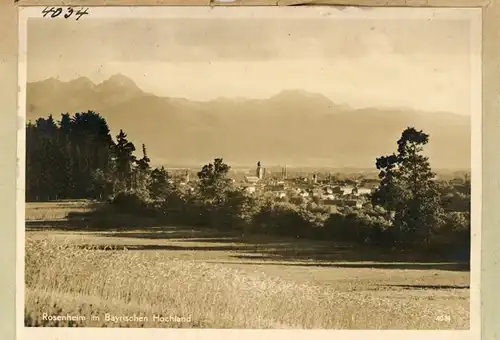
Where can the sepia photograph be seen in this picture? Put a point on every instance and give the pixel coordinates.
(235, 168)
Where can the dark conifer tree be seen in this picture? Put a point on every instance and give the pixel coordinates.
(125, 159)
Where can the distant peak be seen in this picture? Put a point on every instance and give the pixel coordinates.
(50, 80)
(82, 81)
(229, 99)
(293, 91)
(121, 80)
(301, 93)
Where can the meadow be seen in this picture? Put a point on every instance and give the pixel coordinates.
(197, 277)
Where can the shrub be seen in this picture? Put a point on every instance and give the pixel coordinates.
(297, 200)
(241, 208)
(284, 219)
(453, 237)
(180, 208)
(130, 202)
(366, 226)
(235, 211)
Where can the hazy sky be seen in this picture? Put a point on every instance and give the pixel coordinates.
(422, 64)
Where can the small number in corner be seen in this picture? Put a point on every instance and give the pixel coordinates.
(81, 12)
(54, 12)
(443, 318)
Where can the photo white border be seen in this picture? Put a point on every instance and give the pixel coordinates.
(473, 15)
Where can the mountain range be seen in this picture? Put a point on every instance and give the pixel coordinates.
(293, 127)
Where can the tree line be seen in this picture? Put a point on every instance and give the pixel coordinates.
(76, 157)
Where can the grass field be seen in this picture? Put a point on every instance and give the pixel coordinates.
(204, 278)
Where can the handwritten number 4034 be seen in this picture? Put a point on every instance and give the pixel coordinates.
(54, 12)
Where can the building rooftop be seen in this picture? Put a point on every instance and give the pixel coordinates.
(251, 179)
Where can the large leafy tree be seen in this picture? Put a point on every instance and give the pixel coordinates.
(213, 180)
(159, 186)
(224, 206)
(408, 190)
(213, 189)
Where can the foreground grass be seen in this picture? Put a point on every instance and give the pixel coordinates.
(55, 210)
(65, 278)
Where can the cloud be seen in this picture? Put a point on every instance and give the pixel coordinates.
(190, 40)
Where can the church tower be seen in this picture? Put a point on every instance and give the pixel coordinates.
(283, 173)
(260, 171)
